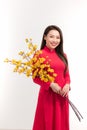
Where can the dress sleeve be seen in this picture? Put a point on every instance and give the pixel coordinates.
(43, 84)
(67, 77)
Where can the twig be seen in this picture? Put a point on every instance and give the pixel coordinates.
(76, 111)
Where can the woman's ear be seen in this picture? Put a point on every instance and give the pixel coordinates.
(44, 37)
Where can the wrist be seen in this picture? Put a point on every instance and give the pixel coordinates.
(68, 86)
(52, 84)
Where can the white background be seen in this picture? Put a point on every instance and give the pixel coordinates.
(20, 19)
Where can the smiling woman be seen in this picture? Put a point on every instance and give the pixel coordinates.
(52, 111)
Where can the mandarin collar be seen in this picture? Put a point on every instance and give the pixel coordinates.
(48, 49)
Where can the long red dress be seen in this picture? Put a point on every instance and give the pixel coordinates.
(52, 112)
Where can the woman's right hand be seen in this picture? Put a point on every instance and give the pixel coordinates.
(56, 88)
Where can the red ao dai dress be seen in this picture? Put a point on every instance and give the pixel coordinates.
(52, 112)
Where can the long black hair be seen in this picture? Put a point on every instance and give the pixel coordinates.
(59, 48)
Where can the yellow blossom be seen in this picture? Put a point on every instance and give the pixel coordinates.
(50, 70)
(21, 53)
(41, 60)
(34, 47)
(28, 72)
(21, 70)
(16, 69)
(6, 60)
(26, 40)
(54, 74)
(30, 45)
(14, 62)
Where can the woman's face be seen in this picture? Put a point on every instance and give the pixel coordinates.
(52, 39)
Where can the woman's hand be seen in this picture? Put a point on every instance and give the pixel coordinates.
(65, 90)
(55, 87)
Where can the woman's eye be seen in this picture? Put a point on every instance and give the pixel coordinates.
(51, 36)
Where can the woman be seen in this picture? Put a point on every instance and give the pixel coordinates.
(52, 111)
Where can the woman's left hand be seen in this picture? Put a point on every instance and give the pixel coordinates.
(65, 90)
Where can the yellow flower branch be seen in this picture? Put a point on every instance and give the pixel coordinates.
(31, 64)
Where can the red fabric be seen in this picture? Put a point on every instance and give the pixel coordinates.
(52, 112)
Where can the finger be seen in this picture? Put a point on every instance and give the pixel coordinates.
(58, 92)
(64, 94)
